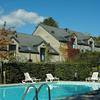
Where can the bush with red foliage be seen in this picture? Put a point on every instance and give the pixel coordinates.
(72, 52)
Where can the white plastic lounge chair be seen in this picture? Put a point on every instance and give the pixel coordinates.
(29, 79)
(94, 77)
(51, 78)
(35, 79)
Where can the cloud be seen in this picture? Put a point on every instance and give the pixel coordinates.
(21, 17)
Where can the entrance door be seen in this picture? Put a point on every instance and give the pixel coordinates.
(42, 54)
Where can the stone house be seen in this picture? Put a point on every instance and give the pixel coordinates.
(46, 43)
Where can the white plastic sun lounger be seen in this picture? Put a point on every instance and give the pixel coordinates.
(29, 79)
(94, 77)
(51, 78)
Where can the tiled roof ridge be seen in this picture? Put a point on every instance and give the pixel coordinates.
(52, 26)
(64, 29)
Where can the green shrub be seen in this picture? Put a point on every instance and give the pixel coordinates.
(15, 71)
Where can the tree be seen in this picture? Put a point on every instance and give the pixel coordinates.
(5, 41)
(50, 21)
(4, 51)
(97, 39)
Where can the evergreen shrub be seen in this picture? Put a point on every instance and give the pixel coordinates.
(66, 72)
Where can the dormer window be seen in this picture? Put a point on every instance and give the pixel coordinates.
(72, 40)
(52, 32)
(91, 44)
(12, 47)
(73, 43)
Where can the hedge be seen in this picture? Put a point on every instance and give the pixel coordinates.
(66, 72)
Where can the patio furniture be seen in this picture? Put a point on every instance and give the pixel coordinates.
(29, 79)
(51, 78)
(94, 77)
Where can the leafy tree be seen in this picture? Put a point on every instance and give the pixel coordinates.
(97, 39)
(50, 21)
(5, 41)
(88, 57)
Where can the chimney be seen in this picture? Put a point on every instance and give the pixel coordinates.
(66, 29)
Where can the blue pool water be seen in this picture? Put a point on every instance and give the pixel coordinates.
(57, 91)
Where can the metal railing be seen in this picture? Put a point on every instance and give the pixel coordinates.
(49, 94)
(37, 91)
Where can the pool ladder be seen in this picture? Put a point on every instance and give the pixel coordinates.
(37, 91)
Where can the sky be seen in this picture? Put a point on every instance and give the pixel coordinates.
(77, 15)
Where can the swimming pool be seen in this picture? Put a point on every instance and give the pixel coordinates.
(58, 90)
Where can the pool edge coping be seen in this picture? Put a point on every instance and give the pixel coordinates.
(59, 82)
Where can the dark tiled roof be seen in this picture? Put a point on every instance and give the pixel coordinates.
(64, 34)
(28, 49)
(29, 43)
(59, 34)
(82, 42)
(28, 40)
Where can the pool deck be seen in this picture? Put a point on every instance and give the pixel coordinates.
(94, 95)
